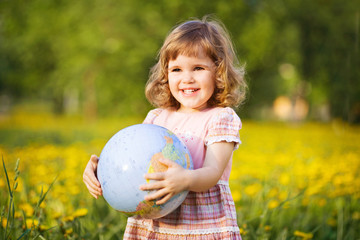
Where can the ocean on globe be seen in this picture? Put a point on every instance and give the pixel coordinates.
(127, 156)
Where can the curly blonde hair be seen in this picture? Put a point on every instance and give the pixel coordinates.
(188, 39)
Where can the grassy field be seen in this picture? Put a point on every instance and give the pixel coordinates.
(289, 181)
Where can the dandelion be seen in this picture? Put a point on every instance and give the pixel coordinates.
(267, 228)
(68, 218)
(283, 195)
(303, 235)
(284, 179)
(80, 212)
(18, 214)
(236, 195)
(68, 232)
(31, 223)
(321, 202)
(253, 189)
(4, 222)
(56, 215)
(27, 208)
(273, 204)
(356, 216)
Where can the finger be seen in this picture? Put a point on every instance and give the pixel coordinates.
(93, 187)
(95, 196)
(156, 195)
(155, 176)
(167, 162)
(164, 199)
(91, 184)
(92, 191)
(94, 159)
(92, 178)
(152, 186)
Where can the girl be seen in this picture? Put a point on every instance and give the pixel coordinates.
(193, 85)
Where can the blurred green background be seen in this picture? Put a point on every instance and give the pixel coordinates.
(93, 57)
(72, 73)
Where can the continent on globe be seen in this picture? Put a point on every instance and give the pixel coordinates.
(147, 208)
(169, 152)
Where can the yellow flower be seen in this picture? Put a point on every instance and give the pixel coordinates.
(68, 232)
(272, 193)
(30, 223)
(68, 218)
(273, 204)
(356, 216)
(27, 208)
(331, 222)
(2, 183)
(284, 179)
(267, 228)
(252, 189)
(303, 235)
(57, 215)
(236, 195)
(283, 195)
(18, 214)
(80, 212)
(321, 202)
(4, 222)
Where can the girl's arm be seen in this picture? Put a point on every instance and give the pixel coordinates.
(177, 179)
(90, 178)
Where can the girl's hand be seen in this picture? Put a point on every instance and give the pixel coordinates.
(90, 179)
(167, 184)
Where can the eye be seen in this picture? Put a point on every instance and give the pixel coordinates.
(175, 70)
(198, 68)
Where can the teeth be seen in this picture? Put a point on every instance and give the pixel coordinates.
(189, 90)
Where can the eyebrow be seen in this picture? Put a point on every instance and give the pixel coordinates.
(194, 65)
(172, 67)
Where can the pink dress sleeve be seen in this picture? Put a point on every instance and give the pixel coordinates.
(224, 126)
(152, 115)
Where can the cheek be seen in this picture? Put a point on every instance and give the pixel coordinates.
(211, 82)
(172, 86)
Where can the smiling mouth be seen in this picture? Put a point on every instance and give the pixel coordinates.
(189, 91)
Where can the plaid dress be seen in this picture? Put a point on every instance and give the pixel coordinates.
(203, 215)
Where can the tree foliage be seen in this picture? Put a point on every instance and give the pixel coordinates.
(94, 56)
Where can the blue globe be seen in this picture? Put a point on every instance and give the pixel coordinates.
(127, 156)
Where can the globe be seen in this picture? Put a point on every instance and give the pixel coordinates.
(127, 156)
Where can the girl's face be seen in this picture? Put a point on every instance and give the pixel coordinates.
(192, 81)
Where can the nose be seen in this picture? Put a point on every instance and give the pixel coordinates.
(188, 77)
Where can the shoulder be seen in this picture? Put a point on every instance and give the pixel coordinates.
(152, 115)
(224, 126)
(225, 115)
(158, 113)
